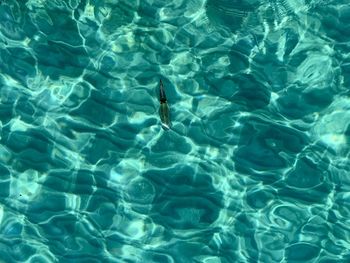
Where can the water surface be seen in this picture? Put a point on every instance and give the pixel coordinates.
(256, 165)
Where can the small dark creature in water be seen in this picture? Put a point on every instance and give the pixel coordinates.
(164, 112)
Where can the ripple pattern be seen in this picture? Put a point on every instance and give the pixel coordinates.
(256, 165)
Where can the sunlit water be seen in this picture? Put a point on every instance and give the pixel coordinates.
(255, 167)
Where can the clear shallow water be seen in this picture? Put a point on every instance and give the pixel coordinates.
(255, 168)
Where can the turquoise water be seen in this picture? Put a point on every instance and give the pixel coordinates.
(255, 167)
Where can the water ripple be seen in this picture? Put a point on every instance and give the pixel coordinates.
(254, 169)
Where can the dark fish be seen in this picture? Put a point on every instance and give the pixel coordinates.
(164, 112)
